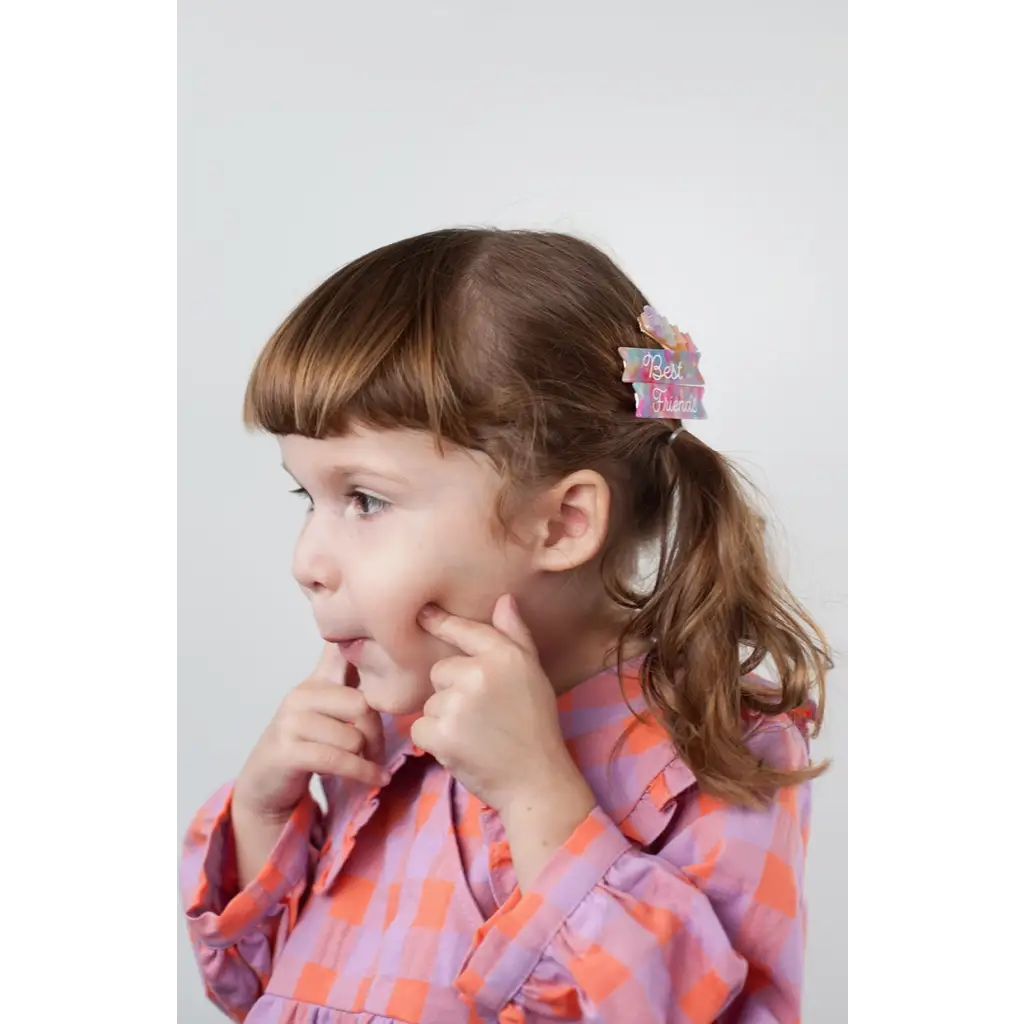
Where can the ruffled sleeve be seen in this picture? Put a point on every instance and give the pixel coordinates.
(236, 934)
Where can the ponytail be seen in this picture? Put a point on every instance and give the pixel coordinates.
(716, 612)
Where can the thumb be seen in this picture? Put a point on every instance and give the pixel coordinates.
(369, 723)
(506, 619)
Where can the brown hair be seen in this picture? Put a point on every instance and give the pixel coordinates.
(506, 342)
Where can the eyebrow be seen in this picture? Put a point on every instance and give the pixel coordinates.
(355, 469)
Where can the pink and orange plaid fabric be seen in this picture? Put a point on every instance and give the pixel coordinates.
(401, 905)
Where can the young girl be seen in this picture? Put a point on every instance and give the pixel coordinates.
(555, 792)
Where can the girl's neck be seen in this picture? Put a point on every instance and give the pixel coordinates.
(578, 665)
(577, 638)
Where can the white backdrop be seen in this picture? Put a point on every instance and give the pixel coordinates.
(703, 145)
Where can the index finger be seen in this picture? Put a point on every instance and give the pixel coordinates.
(468, 636)
(332, 664)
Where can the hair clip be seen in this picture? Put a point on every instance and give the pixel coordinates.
(667, 382)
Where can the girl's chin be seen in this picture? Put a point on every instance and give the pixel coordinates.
(395, 693)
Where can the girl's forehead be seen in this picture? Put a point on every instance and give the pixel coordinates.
(409, 456)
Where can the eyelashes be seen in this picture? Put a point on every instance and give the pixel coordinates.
(301, 492)
(366, 505)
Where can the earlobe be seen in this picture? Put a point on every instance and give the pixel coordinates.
(575, 521)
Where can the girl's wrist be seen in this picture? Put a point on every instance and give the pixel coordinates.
(538, 822)
(558, 803)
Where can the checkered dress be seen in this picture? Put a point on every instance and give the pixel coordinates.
(401, 904)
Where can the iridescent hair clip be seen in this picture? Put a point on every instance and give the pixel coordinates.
(667, 382)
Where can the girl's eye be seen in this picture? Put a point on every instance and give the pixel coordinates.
(303, 493)
(367, 505)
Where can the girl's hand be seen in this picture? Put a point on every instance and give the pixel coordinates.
(325, 726)
(493, 719)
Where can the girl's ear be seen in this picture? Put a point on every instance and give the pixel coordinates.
(571, 521)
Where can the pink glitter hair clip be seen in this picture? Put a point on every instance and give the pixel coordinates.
(667, 382)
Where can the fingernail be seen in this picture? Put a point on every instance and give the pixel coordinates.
(428, 611)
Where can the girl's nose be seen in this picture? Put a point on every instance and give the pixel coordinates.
(313, 567)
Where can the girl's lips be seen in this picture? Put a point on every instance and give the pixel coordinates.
(351, 648)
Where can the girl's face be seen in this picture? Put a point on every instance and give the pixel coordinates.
(394, 525)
